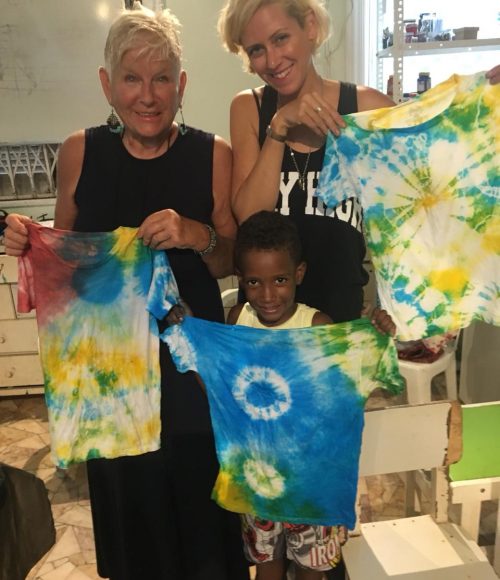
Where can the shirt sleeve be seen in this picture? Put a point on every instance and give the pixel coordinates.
(335, 183)
(163, 292)
(181, 341)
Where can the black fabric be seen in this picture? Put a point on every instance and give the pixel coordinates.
(26, 526)
(333, 248)
(338, 573)
(153, 516)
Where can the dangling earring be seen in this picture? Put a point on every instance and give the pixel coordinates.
(113, 122)
(182, 127)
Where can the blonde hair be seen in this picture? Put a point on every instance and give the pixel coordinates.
(236, 14)
(142, 28)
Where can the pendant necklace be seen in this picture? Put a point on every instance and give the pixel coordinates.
(303, 173)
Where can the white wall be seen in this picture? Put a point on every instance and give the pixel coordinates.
(331, 59)
(49, 55)
(214, 75)
(49, 58)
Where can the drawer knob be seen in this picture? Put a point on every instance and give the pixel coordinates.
(3, 339)
(11, 373)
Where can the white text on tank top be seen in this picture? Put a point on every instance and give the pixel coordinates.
(349, 211)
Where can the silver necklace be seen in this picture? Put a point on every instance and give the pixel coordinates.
(303, 173)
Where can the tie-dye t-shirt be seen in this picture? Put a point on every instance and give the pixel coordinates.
(287, 408)
(99, 345)
(427, 173)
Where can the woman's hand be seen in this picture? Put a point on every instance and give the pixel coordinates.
(311, 110)
(383, 322)
(494, 75)
(167, 229)
(16, 234)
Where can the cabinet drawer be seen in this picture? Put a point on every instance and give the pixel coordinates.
(6, 303)
(20, 370)
(18, 336)
(8, 269)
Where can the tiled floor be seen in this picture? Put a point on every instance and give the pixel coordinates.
(24, 443)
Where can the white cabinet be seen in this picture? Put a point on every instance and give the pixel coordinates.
(446, 57)
(20, 367)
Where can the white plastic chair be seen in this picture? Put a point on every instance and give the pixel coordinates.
(229, 297)
(419, 375)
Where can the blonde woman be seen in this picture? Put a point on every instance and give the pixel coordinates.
(278, 134)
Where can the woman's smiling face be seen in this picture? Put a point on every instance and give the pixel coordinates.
(279, 50)
(146, 91)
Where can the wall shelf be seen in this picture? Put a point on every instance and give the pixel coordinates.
(401, 51)
(442, 47)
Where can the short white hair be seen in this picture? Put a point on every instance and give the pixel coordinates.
(142, 28)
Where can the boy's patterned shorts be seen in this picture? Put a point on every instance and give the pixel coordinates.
(309, 546)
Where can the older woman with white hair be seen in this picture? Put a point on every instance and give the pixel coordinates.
(153, 515)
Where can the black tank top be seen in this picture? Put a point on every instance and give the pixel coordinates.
(116, 189)
(333, 244)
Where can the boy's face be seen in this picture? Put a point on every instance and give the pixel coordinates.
(269, 279)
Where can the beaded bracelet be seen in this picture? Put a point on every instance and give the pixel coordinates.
(211, 244)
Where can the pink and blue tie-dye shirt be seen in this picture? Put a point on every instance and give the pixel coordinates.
(98, 343)
(427, 173)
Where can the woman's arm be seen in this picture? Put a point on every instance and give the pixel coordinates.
(69, 169)
(220, 261)
(167, 229)
(494, 75)
(370, 99)
(256, 172)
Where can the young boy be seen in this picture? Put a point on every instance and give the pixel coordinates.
(269, 266)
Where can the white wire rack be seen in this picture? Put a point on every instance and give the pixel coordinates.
(28, 170)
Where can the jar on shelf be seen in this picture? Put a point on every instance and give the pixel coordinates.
(390, 86)
(411, 29)
(423, 82)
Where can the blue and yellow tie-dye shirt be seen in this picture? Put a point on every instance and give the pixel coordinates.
(287, 409)
(99, 345)
(427, 173)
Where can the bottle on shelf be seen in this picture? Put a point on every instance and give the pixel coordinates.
(390, 86)
(423, 82)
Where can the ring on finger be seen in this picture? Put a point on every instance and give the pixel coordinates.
(318, 109)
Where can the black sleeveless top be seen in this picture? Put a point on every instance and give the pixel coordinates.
(116, 189)
(333, 244)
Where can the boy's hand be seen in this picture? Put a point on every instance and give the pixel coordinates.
(383, 322)
(177, 313)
